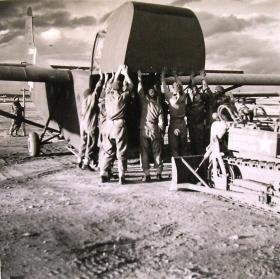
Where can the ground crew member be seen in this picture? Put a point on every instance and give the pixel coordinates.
(196, 116)
(151, 130)
(88, 156)
(245, 113)
(216, 99)
(102, 117)
(115, 141)
(17, 110)
(177, 131)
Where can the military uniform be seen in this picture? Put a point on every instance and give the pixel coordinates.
(115, 138)
(102, 121)
(17, 110)
(177, 110)
(196, 114)
(89, 127)
(151, 129)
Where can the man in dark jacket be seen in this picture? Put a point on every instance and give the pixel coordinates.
(17, 110)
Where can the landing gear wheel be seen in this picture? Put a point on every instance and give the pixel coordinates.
(33, 144)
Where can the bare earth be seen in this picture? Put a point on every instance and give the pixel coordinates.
(58, 222)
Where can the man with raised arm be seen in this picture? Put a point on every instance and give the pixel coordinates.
(88, 156)
(115, 140)
(151, 130)
(177, 131)
(102, 115)
(197, 107)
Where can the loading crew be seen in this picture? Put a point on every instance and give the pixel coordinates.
(88, 157)
(196, 116)
(151, 130)
(115, 141)
(107, 86)
(177, 131)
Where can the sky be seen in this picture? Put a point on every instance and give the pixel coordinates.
(239, 34)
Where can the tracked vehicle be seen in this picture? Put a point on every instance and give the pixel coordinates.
(243, 157)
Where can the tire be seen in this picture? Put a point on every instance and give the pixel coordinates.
(33, 144)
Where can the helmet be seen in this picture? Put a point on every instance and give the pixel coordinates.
(177, 87)
(116, 85)
(219, 89)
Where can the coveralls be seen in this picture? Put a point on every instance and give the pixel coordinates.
(89, 128)
(196, 114)
(151, 128)
(177, 109)
(102, 120)
(115, 139)
(17, 110)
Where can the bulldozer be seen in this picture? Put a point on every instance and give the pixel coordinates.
(242, 160)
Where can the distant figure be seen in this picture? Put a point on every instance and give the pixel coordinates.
(17, 110)
(151, 130)
(177, 131)
(115, 141)
(89, 130)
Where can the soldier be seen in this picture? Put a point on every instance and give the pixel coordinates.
(177, 132)
(89, 130)
(196, 116)
(216, 99)
(151, 130)
(102, 116)
(17, 110)
(245, 113)
(115, 141)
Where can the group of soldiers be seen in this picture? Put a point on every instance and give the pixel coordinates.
(104, 134)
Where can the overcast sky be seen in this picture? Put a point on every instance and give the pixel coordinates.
(239, 34)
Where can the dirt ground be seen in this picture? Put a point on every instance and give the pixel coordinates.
(57, 221)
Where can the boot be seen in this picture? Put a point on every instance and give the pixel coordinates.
(146, 178)
(104, 179)
(122, 180)
(158, 177)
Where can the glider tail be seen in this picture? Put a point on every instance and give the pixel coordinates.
(31, 50)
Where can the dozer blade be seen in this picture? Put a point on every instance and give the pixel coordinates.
(184, 171)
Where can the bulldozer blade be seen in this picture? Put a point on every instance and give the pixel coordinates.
(183, 171)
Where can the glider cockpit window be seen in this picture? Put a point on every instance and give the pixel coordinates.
(97, 50)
